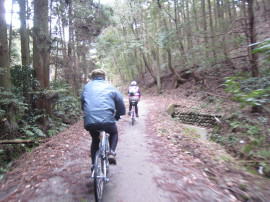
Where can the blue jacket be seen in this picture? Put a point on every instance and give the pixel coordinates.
(101, 103)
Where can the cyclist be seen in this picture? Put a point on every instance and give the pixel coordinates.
(134, 93)
(102, 105)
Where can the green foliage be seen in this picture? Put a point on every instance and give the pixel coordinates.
(32, 131)
(229, 139)
(248, 149)
(249, 91)
(67, 106)
(165, 39)
(263, 47)
(8, 99)
(235, 124)
(22, 78)
(247, 138)
(264, 154)
(253, 130)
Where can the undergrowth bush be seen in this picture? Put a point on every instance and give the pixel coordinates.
(253, 91)
(65, 110)
(246, 138)
(67, 106)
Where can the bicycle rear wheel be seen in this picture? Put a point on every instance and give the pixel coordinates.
(132, 116)
(98, 177)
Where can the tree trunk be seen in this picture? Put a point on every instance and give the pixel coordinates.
(136, 35)
(25, 53)
(5, 81)
(71, 49)
(181, 46)
(212, 31)
(156, 59)
(188, 21)
(204, 27)
(21, 141)
(4, 54)
(148, 66)
(252, 38)
(178, 79)
(41, 51)
(41, 42)
(10, 32)
(195, 15)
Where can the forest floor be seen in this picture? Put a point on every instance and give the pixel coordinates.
(159, 159)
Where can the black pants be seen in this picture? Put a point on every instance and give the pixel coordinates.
(94, 130)
(136, 107)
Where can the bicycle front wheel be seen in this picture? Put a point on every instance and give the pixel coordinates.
(98, 177)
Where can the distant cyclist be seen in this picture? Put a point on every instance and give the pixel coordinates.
(134, 93)
(102, 105)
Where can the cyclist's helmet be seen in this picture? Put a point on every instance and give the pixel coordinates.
(133, 83)
(97, 73)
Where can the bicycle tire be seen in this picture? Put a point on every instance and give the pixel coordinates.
(132, 118)
(98, 177)
(132, 121)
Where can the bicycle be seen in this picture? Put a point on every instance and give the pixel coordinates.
(133, 102)
(100, 173)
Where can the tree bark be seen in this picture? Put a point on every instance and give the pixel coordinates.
(212, 31)
(189, 32)
(252, 38)
(204, 26)
(5, 81)
(25, 52)
(4, 54)
(10, 32)
(181, 45)
(178, 79)
(41, 53)
(41, 42)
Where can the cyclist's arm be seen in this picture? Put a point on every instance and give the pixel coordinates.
(119, 105)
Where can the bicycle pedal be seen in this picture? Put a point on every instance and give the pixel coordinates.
(107, 180)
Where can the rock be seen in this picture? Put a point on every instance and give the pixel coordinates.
(171, 109)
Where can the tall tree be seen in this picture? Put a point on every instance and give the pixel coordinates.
(41, 42)
(252, 38)
(5, 81)
(204, 18)
(4, 54)
(41, 52)
(10, 31)
(25, 53)
(212, 30)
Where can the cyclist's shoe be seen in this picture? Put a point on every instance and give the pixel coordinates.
(112, 153)
(112, 159)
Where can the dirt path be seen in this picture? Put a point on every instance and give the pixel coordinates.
(133, 178)
(146, 171)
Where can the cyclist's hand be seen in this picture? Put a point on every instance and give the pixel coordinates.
(117, 117)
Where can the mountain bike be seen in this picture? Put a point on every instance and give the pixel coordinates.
(132, 112)
(100, 173)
